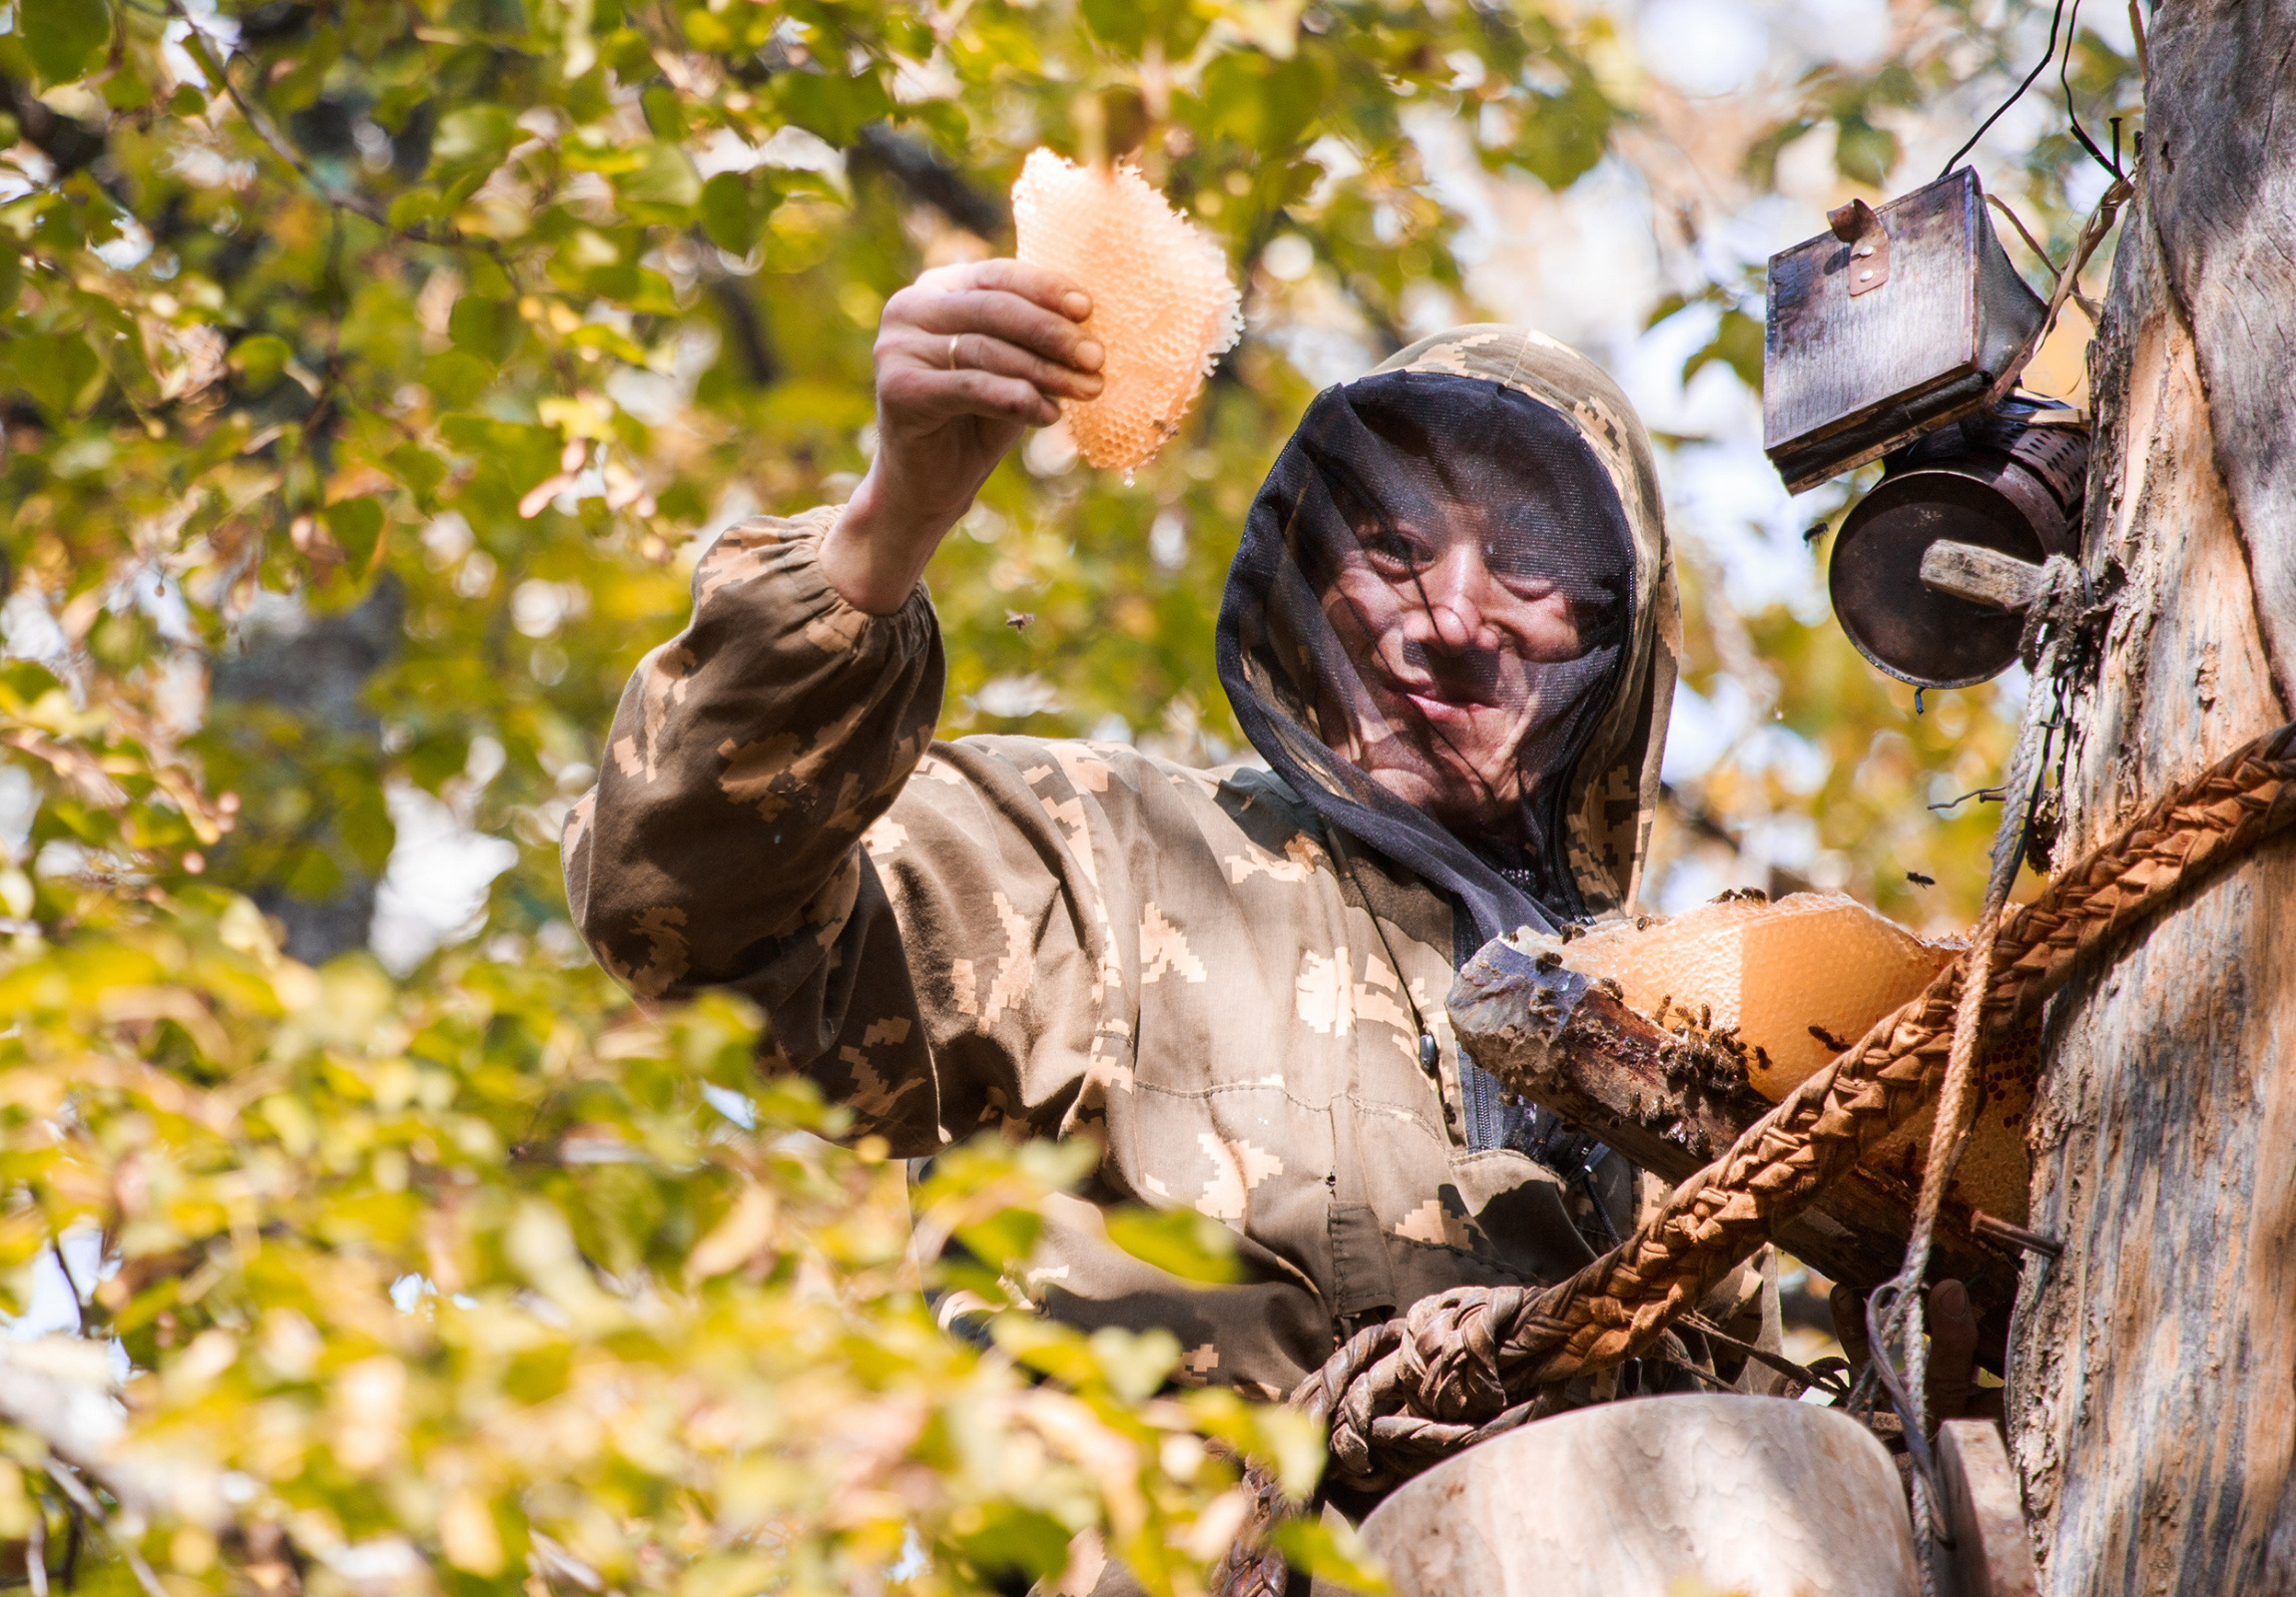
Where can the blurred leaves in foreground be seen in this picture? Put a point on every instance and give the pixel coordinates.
(445, 1287)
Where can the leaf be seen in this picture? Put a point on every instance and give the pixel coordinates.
(66, 39)
(1182, 1242)
(260, 360)
(832, 105)
(1265, 106)
(730, 211)
(357, 526)
(1330, 1553)
(489, 330)
(1737, 343)
(1864, 152)
(1134, 1362)
(663, 186)
(475, 135)
(1003, 1240)
(1563, 134)
(58, 371)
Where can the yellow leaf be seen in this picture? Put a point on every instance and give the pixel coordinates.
(467, 1535)
(734, 1239)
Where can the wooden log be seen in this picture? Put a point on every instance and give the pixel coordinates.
(1572, 1048)
(1984, 1511)
(1611, 1072)
(1980, 575)
(1748, 1496)
(2152, 1412)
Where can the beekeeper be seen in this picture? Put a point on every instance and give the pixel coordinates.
(1450, 634)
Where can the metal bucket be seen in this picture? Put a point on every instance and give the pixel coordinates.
(2010, 481)
(1688, 1496)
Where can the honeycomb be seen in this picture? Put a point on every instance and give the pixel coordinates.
(1772, 971)
(1162, 306)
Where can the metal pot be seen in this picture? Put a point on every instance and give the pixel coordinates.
(2009, 479)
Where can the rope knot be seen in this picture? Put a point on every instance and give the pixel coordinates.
(1448, 1364)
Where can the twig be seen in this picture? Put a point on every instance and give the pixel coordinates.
(2091, 235)
(2022, 232)
(359, 205)
(36, 1551)
(2089, 307)
(79, 1314)
(89, 1507)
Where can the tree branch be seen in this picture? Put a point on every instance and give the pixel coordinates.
(927, 179)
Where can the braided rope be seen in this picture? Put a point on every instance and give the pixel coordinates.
(2054, 613)
(1400, 1396)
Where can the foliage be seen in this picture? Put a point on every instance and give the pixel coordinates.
(372, 371)
(442, 1273)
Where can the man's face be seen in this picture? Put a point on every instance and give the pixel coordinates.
(1448, 620)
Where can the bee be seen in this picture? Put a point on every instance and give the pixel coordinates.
(1018, 620)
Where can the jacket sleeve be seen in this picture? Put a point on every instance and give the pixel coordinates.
(930, 952)
(720, 846)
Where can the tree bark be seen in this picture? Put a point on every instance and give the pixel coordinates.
(2154, 1369)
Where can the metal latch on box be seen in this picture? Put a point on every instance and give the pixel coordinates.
(1857, 226)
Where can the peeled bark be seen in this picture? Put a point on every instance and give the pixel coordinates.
(2153, 1366)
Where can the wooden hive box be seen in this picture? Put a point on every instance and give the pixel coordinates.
(1897, 321)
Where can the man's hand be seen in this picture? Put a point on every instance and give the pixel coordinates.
(1954, 1393)
(966, 356)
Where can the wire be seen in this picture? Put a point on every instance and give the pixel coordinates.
(2040, 67)
(2071, 32)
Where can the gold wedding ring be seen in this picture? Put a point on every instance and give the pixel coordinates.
(953, 337)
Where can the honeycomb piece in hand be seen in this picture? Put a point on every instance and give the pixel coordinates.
(1163, 308)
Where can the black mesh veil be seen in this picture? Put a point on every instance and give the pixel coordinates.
(1432, 610)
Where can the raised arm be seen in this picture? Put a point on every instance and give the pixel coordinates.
(966, 356)
(751, 750)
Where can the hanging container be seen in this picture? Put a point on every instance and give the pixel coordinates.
(2010, 481)
(1896, 323)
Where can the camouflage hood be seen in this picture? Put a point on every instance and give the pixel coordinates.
(1451, 625)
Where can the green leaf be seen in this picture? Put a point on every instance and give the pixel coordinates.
(356, 524)
(663, 115)
(831, 104)
(490, 330)
(1331, 1553)
(731, 212)
(67, 39)
(1564, 135)
(1737, 343)
(1182, 1242)
(1263, 104)
(422, 471)
(1864, 152)
(260, 360)
(57, 370)
(473, 137)
(664, 185)
(1003, 1240)
(1134, 1364)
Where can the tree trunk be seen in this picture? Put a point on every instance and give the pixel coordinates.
(2153, 1366)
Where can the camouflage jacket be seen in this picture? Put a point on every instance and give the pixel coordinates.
(1076, 939)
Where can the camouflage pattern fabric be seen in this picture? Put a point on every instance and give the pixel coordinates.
(1074, 939)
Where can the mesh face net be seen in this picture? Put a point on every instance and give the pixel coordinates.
(1429, 615)
(1162, 306)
